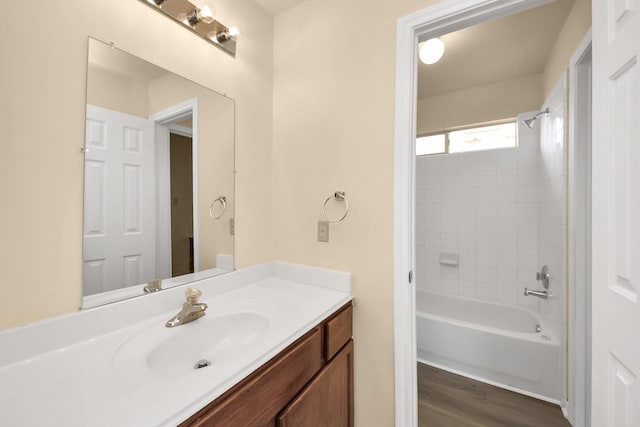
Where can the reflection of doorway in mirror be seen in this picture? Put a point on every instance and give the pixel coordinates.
(139, 199)
(172, 123)
(181, 172)
(119, 239)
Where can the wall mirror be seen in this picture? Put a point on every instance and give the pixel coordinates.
(158, 180)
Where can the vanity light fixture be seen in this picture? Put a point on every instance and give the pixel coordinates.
(200, 18)
(431, 51)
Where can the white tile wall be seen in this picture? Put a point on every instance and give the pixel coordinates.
(552, 217)
(492, 208)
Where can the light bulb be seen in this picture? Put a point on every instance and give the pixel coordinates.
(431, 51)
(206, 14)
(224, 36)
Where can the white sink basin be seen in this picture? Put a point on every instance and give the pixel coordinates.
(218, 339)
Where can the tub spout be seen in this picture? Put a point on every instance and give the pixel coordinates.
(539, 294)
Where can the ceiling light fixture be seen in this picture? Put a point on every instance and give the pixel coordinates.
(431, 51)
(200, 18)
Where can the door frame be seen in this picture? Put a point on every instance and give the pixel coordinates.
(442, 18)
(165, 124)
(579, 235)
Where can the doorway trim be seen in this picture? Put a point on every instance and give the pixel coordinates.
(579, 235)
(442, 18)
(165, 124)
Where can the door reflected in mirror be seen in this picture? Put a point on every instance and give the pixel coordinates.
(159, 179)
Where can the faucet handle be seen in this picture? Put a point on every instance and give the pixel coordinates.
(544, 276)
(193, 295)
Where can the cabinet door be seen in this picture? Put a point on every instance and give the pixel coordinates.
(327, 401)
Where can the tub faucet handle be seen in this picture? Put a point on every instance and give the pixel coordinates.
(543, 276)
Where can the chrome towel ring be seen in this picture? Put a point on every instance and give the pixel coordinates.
(223, 202)
(340, 196)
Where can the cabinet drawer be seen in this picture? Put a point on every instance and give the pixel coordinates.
(257, 401)
(337, 331)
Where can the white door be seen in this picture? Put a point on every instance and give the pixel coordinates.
(616, 214)
(119, 201)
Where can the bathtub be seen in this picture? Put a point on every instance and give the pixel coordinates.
(493, 343)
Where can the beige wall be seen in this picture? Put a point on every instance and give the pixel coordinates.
(41, 169)
(575, 27)
(115, 92)
(496, 101)
(333, 130)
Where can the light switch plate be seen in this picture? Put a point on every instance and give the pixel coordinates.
(323, 231)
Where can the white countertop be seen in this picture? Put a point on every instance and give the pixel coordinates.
(63, 372)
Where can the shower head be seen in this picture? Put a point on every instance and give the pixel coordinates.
(530, 122)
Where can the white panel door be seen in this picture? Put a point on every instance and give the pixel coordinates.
(616, 213)
(119, 201)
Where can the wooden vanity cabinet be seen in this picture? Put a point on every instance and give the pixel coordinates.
(310, 383)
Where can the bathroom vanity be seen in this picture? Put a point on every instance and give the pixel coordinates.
(276, 339)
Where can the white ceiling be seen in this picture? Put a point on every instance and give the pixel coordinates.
(275, 7)
(511, 47)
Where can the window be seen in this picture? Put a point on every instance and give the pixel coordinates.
(434, 144)
(470, 139)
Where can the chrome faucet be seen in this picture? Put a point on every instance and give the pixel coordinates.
(191, 310)
(539, 294)
(153, 286)
(544, 276)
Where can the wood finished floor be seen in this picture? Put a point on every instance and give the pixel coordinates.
(449, 400)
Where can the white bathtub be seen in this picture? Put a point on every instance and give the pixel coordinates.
(493, 343)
